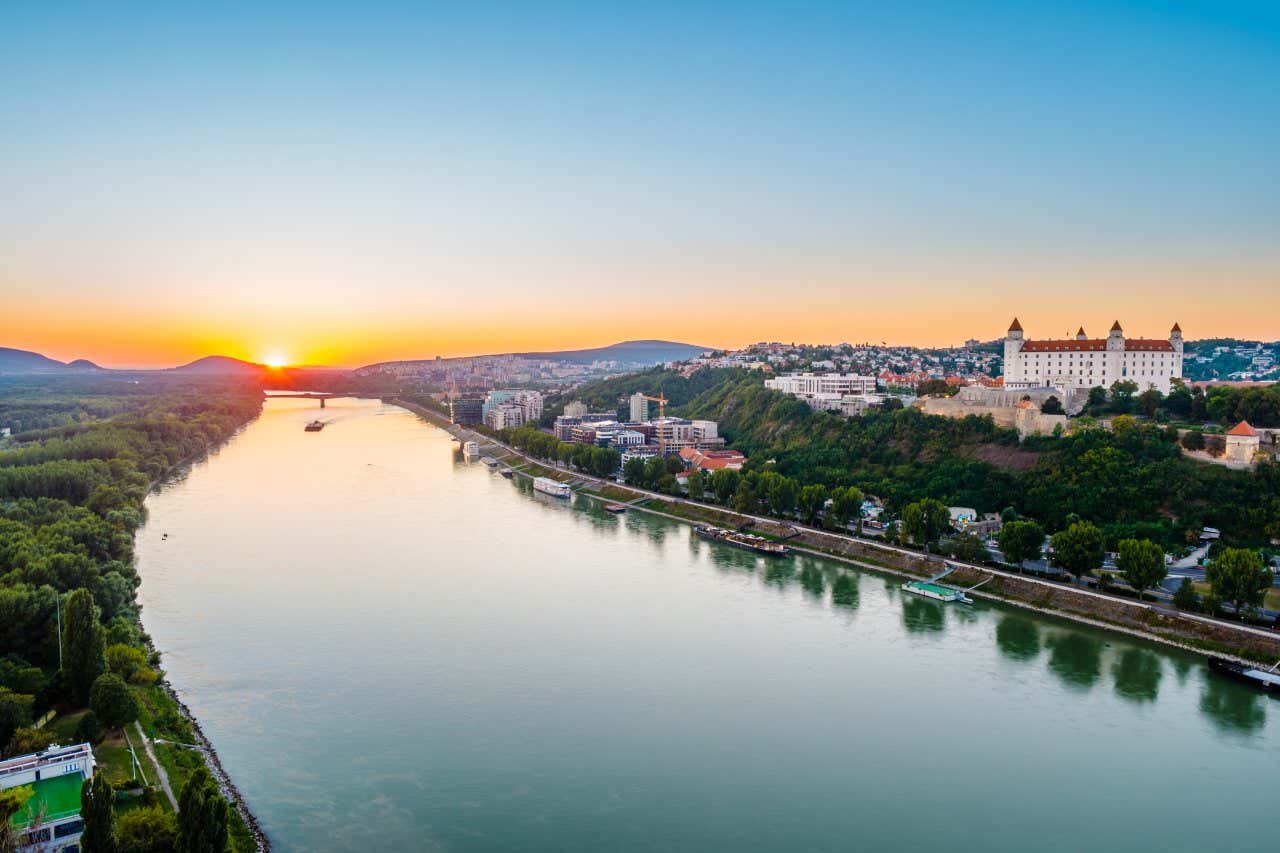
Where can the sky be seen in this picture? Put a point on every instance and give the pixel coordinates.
(348, 183)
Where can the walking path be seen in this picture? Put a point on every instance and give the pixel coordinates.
(163, 776)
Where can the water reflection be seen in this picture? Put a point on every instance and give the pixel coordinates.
(1137, 673)
(780, 573)
(811, 580)
(844, 592)
(1231, 707)
(1075, 658)
(1018, 638)
(921, 615)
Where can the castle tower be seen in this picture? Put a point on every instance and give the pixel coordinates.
(1013, 346)
(1115, 340)
(1175, 338)
(1080, 335)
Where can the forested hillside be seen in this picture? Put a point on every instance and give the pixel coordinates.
(610, 394)
(1132, 480)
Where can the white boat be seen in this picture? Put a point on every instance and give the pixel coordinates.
(490, 461)
(471, 449)
(548, 486)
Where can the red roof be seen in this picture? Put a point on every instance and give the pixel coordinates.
(1097, 345)
(1176, 328)
(1243, 428)
(1115, 327)
(1015, 326)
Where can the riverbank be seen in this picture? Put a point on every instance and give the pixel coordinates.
(1172, 628)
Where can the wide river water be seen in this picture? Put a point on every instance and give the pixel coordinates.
(394, 649)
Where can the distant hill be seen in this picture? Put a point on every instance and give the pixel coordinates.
(83, 364)
(223, 365)
(626, 352)
(22, 361)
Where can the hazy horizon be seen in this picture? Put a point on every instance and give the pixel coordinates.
(342, 185)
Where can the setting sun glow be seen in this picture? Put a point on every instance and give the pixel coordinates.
(275, 359)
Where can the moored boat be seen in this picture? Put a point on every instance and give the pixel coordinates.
(548, 486)
(936, 591)
(615, 508)
(508, 473)
(314, 426)
(471, 449)
(489, 461)
(745, 541)
(1268, 681)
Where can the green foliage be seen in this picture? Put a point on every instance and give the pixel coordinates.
(130, 663)
(112, 702)
(1238, 575)
(82, 644)
(1021, 541)
(846, 505)
(15, 712)
(1052, 406)
(202, 815)
(697, 485)
(1079, 549)
(925, 520)
(968, 548)
(588, 458)
(1185, 597)
(147, 830)
(812, 498)
(611, 394)
(1141, 561)
(97, 812)
(1193, 440)
(27, 739)
(725, 484)
(88, 730)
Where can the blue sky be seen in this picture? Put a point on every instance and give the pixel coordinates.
(300, 173)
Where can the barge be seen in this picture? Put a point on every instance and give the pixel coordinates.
(548, 486)
(1265, 680)
(314, 426)
(745, 541)
(936, 591)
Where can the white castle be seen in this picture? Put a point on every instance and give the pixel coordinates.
(1085, 362)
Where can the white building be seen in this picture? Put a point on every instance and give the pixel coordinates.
(529, 401)
(55, 776)
(822, 384)
(639, 408)
(1083, 362)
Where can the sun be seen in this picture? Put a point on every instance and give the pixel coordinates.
(275, 360)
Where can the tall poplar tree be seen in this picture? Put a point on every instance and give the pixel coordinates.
(202, 815)
(81, 645)
(96, 800)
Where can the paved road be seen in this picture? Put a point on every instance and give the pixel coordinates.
(164, 777)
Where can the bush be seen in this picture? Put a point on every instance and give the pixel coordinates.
(88, 730)
(146, 830)
(112, 701)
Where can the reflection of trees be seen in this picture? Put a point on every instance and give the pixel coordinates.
(1181, 667)
(779, 573)
(1018, 638)
(1232, 707)
(1076, 658)
(1137, 673)
(811, 580)
(844, 592)
(920, 615)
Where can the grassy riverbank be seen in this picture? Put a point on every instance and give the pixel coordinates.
(1125, 615)
(72, 496)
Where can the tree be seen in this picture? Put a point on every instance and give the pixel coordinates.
(1149, 402)
(147, 830)
(1122, 391)
(12, 800)
(725, 484)
(696, 485)
(1052, 406)
(1193, 440)
(633, 472)
(846, 504)
(812, 499)
(202, 815)
(125, 660)
(1185, 597)
(1021, 541)
(97, 799)
(1079, 549)
(924, 521)
(968, 548)
(1141, 561)
(82, 644)
(112, 702)
(1237, 575)
(26, 740)
(15, 712)
(1097, 399)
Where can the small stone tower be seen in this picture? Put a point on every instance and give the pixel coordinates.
(1115, 340)
(1175, 338)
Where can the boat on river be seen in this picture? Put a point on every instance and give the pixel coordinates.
(489, 461)
(548, 486)
(508, 473)
(745, 541)
(471, 449)
(314, 426)
(615, 508)
(936, 591)
(1266, 680)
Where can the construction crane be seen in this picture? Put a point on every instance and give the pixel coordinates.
(662, 414)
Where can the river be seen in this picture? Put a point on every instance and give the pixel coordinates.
(394, 649)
